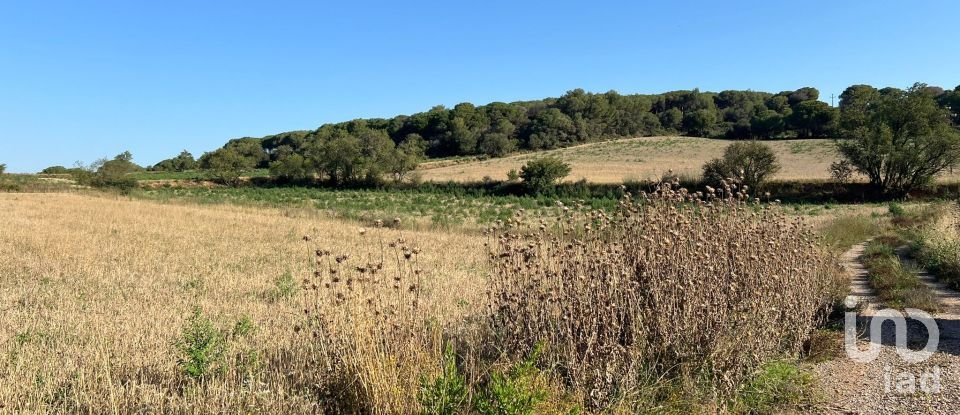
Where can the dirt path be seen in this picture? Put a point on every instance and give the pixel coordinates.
(889, 384)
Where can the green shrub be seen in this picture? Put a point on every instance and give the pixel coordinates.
(896, 209)
(446, 394)
(544, 173)
(751, 163)
(226, 165)
(243, 327)
(202, 347)
(513, 176)
(55, 170)
(122, 183)
(515, 392)
(116, 173)
(284, 287)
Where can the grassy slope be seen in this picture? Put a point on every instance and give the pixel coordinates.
(645, 158)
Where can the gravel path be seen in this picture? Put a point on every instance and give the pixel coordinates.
(889, 384)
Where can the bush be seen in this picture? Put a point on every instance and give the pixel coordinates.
(202, 347)
(750, 163)
(447, 393)
(515, 392)
(182, 162)
(896, 209)
(226, 165)
(55, 170)
(544, 173)
(109, 174)
(841, 171)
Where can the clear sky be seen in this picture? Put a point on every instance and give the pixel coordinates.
(83, 80)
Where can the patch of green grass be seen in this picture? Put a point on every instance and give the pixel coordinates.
(775, 387)
(915, 217)
(939, 255)
(846, 231)
(436, 209)
(896, 285)
(284, 287)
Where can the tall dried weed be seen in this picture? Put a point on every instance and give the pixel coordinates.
(695, 289)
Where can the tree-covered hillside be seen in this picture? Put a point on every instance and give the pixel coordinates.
(364, 148)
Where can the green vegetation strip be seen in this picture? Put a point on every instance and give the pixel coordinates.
(896, 285)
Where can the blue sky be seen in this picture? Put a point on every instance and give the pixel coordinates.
(83, 80)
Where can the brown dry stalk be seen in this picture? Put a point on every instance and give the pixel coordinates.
(672, 285)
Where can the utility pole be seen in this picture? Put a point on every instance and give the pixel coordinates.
(831, 100)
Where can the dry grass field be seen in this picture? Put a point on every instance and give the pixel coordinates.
(647, 158)
(100, 294)
(95, 291)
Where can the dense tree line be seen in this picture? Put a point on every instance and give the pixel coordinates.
(359, 151)
(370, 149)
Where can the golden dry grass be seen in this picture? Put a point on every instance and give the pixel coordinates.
(648, 158)
(95, 290)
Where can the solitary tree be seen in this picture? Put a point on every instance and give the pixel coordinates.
(3, 168)
(543, 173)
(904, 142)
(226, 165)
(113, 173)
(749, 162)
